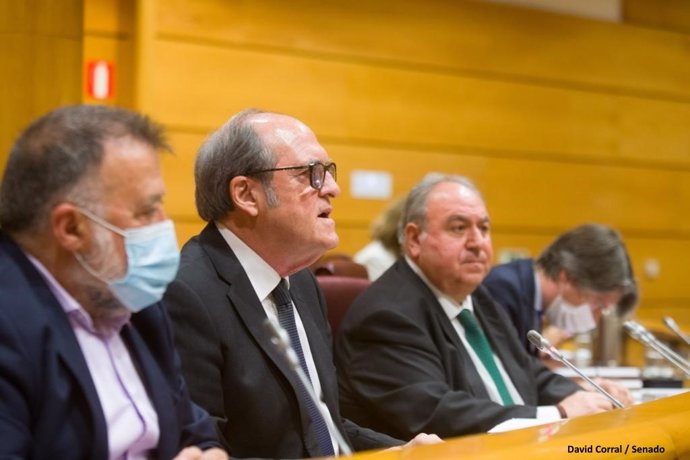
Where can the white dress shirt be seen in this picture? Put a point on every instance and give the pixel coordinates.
(452, 310)
(264, 279)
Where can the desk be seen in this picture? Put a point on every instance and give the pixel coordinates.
(664, 423)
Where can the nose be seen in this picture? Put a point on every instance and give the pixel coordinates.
(474, 236)
(330, 186)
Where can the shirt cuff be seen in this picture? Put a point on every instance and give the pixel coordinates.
(548, 414)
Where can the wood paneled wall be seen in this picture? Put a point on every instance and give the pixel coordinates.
(559, 120)
(40, 62)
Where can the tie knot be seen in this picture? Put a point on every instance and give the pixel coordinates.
(281, 294)
(468, 320)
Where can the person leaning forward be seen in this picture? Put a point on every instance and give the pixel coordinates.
(264, 185)
(424, 348)
(87, 362)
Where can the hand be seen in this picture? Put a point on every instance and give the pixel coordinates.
(613, 388)
(194, 453)
(555, 335)
(421, 439)
(585, 403)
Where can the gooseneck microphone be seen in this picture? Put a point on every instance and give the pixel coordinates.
(544, 345)
(671, 324)
(279, 338)
(642, 335)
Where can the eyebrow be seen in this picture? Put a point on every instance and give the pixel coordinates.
(465, 219)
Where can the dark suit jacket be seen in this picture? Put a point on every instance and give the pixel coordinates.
(233, 369)
(403, 369)
(49, 407)
(512, 286)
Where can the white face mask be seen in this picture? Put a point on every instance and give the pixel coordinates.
(575, 319)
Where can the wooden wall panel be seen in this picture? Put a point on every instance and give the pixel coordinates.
(662, 14)
(40, 62)
(634, 199)
(109, 36)
(559, 120)
(495, 41)
(374, 104)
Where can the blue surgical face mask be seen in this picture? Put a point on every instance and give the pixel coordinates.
(152, 261)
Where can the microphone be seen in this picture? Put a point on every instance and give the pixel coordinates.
(281, 340)
(544, 345)
(642, 335)
(671, 324)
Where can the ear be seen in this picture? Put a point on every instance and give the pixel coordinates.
(70, 227)
(245, 194)
(412, 242)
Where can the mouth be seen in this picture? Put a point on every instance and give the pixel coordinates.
(326, 214)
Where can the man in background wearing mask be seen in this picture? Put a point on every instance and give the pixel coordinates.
(87, 362)
(426, 348)
(583, 272)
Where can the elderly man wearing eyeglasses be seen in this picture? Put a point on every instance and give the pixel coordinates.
(264, 184)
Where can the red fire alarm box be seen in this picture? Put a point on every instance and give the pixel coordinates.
(99, 79)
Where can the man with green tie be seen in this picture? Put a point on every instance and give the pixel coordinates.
(425, 348)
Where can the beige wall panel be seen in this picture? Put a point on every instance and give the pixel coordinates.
(467, 37)
(357, 101)
(671, 15)
(109, 17)
(37, 73)
(42, 17)
(178, 174)
(119, 52)
(521, 194)
(534, 194)
(186, 230)
(635, 204)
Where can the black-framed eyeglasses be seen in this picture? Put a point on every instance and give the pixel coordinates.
(317, 172)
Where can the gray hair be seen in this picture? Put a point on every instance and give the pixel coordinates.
(235, 149)
(414, 210)
(594, 257)
(57, 158)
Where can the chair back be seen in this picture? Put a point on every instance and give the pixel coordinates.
(339, 265)
(340, 292)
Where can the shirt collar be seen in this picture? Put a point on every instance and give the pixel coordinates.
(450, 306)
(72, 308)
(261, 275)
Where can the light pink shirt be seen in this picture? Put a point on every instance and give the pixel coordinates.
(130, 417)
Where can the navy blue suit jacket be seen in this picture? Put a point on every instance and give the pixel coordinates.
(49, 407)
(512, 286)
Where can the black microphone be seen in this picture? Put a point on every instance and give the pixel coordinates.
(671, 324)
(281, 340)
(544, 345)
(642, 335)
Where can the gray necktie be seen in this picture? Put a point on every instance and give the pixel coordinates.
(286, 318)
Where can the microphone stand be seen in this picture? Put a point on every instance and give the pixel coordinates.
(544, 345)
(639, 333)
(280, 339)
(671, 324)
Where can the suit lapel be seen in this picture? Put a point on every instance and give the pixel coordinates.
(470, 374)
(242, 298)
(150, 371)
(68, 348)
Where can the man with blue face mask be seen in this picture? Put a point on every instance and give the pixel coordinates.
(87, 364)
(564, 291)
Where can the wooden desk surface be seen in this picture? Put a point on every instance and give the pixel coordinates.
(663, 425)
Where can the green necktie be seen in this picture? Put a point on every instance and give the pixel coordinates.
(478, 341)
